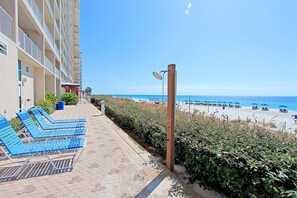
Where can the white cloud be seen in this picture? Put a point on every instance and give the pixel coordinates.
(189, 6)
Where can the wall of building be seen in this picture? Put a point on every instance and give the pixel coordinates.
(9, 79)
(39, 84)
(27, 86)
(50, 85)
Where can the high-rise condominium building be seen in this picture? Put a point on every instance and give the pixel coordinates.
(39, 50)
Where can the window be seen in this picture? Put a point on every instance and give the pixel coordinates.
(3, 49)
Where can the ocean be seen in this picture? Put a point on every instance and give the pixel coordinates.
(272, 102)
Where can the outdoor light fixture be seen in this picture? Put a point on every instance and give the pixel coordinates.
(170, 111)
(158, 76)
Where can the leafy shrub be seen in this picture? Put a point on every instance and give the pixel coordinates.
(46, 105)
(236, 159)
(69, 98)
(16, 124)
(51, 98)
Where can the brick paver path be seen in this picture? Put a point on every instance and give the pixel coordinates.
(112, 165)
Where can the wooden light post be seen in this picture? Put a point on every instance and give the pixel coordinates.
(170, 112)
(171, 116)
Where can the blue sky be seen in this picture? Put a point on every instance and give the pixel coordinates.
(221, 47)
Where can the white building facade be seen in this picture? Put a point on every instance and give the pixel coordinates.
(39, 50)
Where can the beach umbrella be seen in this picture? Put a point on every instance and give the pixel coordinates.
(255, 104)
(283, 106)
(237, 103)
(264, 105)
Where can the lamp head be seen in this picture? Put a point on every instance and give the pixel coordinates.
(157, 75)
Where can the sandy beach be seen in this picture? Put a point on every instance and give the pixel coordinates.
(282, 121)
(279, 121)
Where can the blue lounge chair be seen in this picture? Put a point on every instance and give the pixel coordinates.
(35, 133)
(14, 147)
(53, 121)
(37, 115)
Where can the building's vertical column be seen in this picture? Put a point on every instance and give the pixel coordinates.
(58, 87)
(39, 84)
(50, 84)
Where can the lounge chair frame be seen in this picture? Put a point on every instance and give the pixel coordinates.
(42, 154)
(37, 155)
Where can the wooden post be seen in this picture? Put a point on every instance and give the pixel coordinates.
(171, 116)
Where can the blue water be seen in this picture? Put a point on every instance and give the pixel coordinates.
(273, 102)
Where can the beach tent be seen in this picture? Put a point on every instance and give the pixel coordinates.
(283, 108)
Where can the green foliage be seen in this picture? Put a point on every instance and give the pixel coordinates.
(51, 98)
(236, 158)
(88, 90)
(47, 105)
(16, 124)
(69, 98)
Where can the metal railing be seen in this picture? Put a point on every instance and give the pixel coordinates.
(57, 4)
(63, 69)
(50, 8)
(57, 27)
(5, 23)
(29, 46)
(57, 72)
(57, 49)
(35, 9)
(48, 64)
(49, 34)
(57, 7)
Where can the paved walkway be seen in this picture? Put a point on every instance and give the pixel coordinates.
(112, 165)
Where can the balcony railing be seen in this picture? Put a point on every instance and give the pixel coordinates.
(50, 8)
(29, 46)
(57, 27)
(49, 64)
(35, 9)
(63, 69)
(57, 72)
(5, 23)
(57, 4)
(49, 34)
(57, 49)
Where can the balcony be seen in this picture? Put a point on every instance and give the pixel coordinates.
(35, 9)
(49, 34)
(63, 69)
(29, 46)
(57, 49)
(57, 72)
(57, 27)
(5, 23)
(50, 8)
(49, 64)
(57, 3)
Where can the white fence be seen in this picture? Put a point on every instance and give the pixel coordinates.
(29, 46)
(48, 64)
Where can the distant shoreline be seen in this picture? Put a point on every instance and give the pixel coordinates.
(272, 102)
(276, 119)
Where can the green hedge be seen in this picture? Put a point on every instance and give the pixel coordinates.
(16, 124)
(235, 159)
(69, 98)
